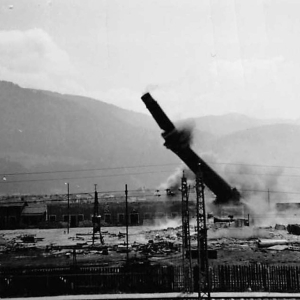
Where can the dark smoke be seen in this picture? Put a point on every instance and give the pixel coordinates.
(185, 130)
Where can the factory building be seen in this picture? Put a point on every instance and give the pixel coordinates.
(112, 209)
(113, 213)
(22, 214)
(28, 212)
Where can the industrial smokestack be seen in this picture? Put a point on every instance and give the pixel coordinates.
(178, 141)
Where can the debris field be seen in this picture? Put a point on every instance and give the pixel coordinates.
(55, 247)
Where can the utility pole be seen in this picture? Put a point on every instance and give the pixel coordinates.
(68, 188)
(126, 219)
(203, 267)
(95, 215)
(186, 238)
(97, 218)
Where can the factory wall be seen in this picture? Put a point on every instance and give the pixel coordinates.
(113, 212)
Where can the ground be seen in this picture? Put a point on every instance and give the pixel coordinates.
(53, 247)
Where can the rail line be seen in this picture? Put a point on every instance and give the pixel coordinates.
(173, 296)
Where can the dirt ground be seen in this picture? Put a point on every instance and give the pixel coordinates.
(53, 247)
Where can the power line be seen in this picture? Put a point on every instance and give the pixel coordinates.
(141, 173)
(131, 195)
(261, 174)
(257, 165)
(143, 166)
(124, 174)
(86, 170)
(82, 177)
(269, 191)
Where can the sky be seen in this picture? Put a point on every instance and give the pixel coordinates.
(197, 58)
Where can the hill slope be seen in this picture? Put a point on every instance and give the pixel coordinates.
(261, 159)
(42, 131)
(233, 122)
(48, 131)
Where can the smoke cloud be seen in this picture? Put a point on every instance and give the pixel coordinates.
(173, 183)
(249, 181)
(237, 233)
(257, 186)
(257, 190)
(186, 131)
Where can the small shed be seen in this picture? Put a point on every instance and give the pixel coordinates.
(10, 214)
(33, 214)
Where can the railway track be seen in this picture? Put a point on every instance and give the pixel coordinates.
(173, 296)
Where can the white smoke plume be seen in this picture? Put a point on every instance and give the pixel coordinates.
(257, 187)
(173, 182)
(167, 223)
(256, 192)
(244, 233)
(249, 181)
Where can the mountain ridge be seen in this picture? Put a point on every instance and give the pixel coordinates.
(43, 130)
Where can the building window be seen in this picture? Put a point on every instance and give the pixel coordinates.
(80, 218)
(107, 218)
(134, 218)
(12, 220)
(160, 215)
(66, 218)
(121, 218)
(52, 218)
(73, 221)
(147, 216)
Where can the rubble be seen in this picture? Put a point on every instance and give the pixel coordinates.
(279, 247)
(293, 229)
(155, 248)
(280, 227)
(263, 243)
(29, 238)
(144, 244)
(123, 248)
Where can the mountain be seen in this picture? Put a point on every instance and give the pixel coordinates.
(232, 122)
(41, 130)
(276, 144)
(83, 141)
(260, 159)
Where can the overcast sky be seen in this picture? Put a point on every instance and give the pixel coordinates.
(196, 57)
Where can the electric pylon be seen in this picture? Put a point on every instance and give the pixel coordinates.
(203, 267)
(186, 238)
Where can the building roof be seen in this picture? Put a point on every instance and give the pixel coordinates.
(34, 209)
(12, 204)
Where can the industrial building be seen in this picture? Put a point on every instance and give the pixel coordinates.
(51, 214)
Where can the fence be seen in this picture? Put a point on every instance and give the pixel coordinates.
(86, 280)
(144, 279)
(256, 277)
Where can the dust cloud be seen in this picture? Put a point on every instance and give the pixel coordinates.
(173, 182)
(161, 224)
(244, 233)
(255, 192)
(259, 188)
